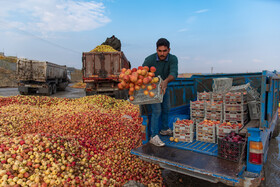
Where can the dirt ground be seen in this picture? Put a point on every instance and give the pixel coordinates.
(7, 78)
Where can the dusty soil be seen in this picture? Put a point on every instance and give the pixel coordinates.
(7, 78)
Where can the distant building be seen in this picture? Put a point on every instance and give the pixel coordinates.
(2, 54)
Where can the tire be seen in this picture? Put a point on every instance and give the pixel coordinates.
(54, 89)
(22, 93)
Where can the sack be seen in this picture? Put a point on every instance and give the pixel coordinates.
(113, 42)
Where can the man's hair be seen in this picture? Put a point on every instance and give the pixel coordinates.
(163, 42)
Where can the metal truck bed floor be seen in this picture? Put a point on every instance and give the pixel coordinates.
(191, 161)
(196, 146)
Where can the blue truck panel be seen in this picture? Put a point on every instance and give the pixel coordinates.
(184, 90)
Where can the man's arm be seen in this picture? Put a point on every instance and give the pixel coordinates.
(164, 83)
(172, 75)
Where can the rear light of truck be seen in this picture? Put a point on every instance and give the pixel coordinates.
(256, 152)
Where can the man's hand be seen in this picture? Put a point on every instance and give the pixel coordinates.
(163, 86)
(164, 83)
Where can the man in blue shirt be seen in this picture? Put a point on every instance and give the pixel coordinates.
(166, 66)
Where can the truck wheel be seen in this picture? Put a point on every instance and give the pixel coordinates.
(22, 93)
(54, 89)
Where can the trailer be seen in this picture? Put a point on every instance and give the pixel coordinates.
(201, 159)
(101, 71)
(40, 77)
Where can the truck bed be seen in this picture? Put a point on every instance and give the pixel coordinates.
(41, 71)
(210, 168)
(197, 158)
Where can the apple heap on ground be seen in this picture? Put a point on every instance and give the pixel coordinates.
(48, 141)
(138, 78)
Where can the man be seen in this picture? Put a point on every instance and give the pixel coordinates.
(166, 66)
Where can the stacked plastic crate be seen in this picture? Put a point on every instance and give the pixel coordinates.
(236, 108)
(198, 107)
(183, 130)
(198, 111)
(214, 109)
(223, 129)
(205, 131)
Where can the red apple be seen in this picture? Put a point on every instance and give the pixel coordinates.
(127, 72)
(137, 87)
(146, 92)
(131, 98)
(146, 68)
(151, 94)
(153, 69)
(144, 72)
(133, 78)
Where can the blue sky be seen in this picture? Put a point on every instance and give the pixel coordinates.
(228, 35)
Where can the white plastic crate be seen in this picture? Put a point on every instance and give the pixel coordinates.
(253, 94)
(235, 97)
(214, 115)
(243, 122)
(183, 128)
(222, 85)
(225, 130)
(235, 116)
(141, 98)
(214, 106)
(183, 137)
(197, 113)
(205, 132)
(204, 96)
(235, 107)
(205, 138)
(200, 105)
(254, 109)
(218, 96)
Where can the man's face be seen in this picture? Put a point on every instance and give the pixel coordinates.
(162, 52)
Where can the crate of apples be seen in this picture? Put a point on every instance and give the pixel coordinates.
(142, 85)
(225, 128)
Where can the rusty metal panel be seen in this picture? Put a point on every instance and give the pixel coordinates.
(89, 65)
(103, 64)
(116, 65)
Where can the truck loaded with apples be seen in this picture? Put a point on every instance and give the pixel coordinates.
(221, 123)
(101, 69)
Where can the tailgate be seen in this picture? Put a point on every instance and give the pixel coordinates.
(199, 165)
(30, 70)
